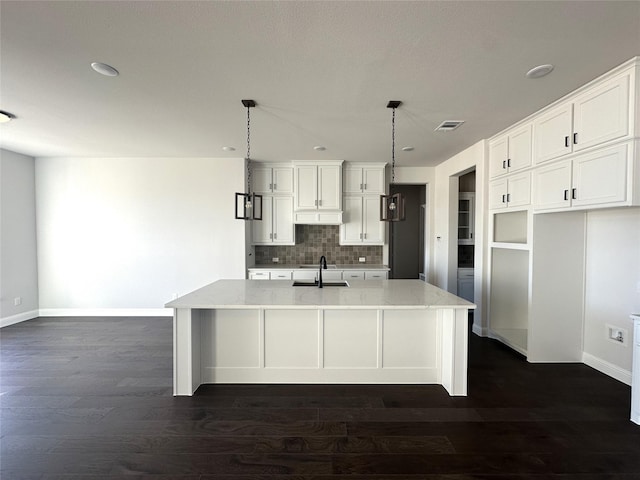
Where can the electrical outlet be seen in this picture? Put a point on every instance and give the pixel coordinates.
(275, 259)
(17, 301)
(617, 334)
(362, 259)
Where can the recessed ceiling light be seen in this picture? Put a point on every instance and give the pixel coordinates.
(104, 69)
(6, 116)
(229, 149)
(539, 71)
(407, 149)
(319, 148)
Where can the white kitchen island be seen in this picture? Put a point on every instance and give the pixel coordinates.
(381, 331)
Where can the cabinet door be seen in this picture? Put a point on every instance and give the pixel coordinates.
(329, 187)
(465, 288)
(351, 229)
(498, 154)
(263, 229)
(551, 186)
(261, 179)
(283, 227)
(600, 177)
(373, 180)
(306, 184)
(519, 149)
(353, 182)
(519, 190)
(601, 114)
(552, 133)
(498, 194)
(283, 180)
(372, 227)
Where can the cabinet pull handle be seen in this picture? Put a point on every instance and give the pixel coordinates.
(275, 236)
(365, 186)
(566, 141)
(275, 187)
(504, 197)
(319, 203)
(504, 164)
(315, 203)
(271, 236)
(471, 235)
(573, 193)
(575, 138)
(271, 186)
(509, 162)
(566, 193)
(508, 197)
(365, 236)
(361, 187)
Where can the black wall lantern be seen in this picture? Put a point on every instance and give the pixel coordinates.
(248, 205)
(392, 206)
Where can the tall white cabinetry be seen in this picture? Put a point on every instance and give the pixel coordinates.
(275, 183)
(318, 192)
(584, 155)
(364, 183)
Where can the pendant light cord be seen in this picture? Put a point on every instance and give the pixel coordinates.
(248, 150)
(393, 146)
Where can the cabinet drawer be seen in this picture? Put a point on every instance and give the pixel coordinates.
(353, 275)
(375, 275)
(258, 275)
(281, 275)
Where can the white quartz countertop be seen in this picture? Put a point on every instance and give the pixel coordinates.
(298, 266)
(361, 294)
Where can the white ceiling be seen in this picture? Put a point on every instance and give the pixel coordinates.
(321, 74)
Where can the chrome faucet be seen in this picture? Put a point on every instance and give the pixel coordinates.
(323, 264)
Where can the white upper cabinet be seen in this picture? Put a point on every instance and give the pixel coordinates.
(510, 192)
(600, 114)
(510, 152)
(276, 226)
(362, 223)
(597, 178)
(318, 192)
(273, 179)
(364, 178)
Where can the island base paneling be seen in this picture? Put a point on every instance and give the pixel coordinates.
(271, 345)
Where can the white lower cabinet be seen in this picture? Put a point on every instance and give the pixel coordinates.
(362, 223)
(358, 275)
(594, 179)
(276, 226)
(465, 283)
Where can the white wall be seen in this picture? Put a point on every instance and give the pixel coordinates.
(612, 286)
(444, 234)
(18, 265)
(129, 233)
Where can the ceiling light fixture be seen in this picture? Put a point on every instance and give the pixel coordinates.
(104, 69)
(407, 149)
(319, 148)
(392, 206)
(6, 117)
(229, 149)
(248, 205)
(539, 71)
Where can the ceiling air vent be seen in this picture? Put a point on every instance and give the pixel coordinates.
(449, 125)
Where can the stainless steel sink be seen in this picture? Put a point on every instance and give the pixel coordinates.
(314, 283)
(316, 266)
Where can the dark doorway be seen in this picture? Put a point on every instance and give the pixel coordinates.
(406, 238)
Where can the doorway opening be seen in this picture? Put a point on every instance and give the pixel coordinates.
(407, 238)
(466, 235)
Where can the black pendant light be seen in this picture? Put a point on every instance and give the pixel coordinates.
(248, 205)
(392, 206)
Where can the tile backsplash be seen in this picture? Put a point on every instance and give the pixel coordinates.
(313, 241)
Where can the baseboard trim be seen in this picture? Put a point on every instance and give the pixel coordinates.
(607, 368)
(480, 331)
(18, 317)
(106, 312)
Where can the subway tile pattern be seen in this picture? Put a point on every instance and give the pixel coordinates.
(312, 241)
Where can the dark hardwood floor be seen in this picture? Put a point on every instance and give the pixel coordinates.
(90, 398)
